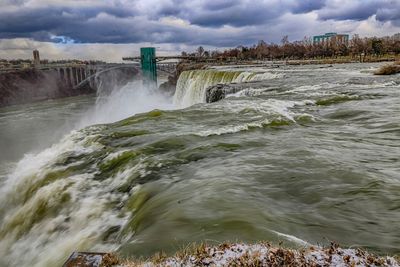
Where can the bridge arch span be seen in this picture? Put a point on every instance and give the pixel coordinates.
(91, 78)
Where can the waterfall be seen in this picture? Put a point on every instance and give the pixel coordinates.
(191, 86)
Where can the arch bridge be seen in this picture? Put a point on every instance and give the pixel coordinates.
(75, 75)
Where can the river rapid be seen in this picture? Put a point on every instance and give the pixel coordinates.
(312, 156)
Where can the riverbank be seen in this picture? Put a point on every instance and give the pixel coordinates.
(241, 254)
(316, 61)
(343, 60)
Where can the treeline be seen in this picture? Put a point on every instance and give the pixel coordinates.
(357, 47)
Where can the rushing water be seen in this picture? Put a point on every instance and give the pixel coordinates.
(311, 157)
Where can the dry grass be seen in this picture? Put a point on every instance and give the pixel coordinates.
(389, 69)
(261, 254)
(109, 260)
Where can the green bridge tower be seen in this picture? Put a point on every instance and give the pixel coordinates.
(149, 65)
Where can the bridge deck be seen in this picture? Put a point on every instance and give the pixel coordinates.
(160, 58)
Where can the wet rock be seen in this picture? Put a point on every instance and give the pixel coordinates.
(169, 86)
(220, 91)
(85, 259)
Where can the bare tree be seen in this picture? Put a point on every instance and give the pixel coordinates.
(200, 51)
(357, 47)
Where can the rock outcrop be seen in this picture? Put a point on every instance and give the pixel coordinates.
(30, 85)
(220, 91)
(169, 86)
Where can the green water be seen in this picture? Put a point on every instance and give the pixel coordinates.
(310, 158)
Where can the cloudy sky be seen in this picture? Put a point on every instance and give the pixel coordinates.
(110, 29)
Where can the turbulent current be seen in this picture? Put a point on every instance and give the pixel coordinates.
(310, 157)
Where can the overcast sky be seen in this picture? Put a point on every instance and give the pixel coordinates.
(111, 29)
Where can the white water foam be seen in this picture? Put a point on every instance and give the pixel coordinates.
(292, 238)
(268, 111)
(79, 203)
(43, 222)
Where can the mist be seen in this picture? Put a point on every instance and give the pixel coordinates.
(30, 128)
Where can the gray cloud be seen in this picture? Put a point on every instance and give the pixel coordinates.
(236, 13)
(391, 14)
(307, 6)
(217, 23)
(359, 9)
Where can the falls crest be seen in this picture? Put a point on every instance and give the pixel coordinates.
(191, 86)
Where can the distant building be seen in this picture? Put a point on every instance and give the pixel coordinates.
(331, 37)
(36, 58)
